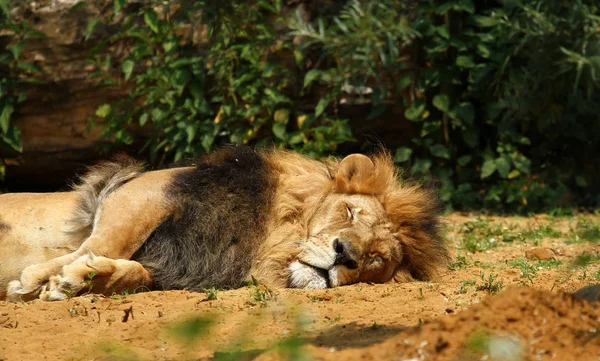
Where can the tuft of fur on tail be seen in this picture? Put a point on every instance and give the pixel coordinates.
(97, 184)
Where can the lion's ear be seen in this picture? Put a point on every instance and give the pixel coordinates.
(355, 174)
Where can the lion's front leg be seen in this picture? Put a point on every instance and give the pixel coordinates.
(28, 287)
(96, 274)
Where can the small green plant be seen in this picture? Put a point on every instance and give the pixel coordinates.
(465, 284)
(461, 262)
(480, 235)
(548, 264)
(15, 74)
(89, 281)
(585, 231)
(190, 330)
(261, 295)
(119, 296)
(421, 296)
(68, 293)
(528, 270)
(490, 284)
(537, 234)
(211, 293)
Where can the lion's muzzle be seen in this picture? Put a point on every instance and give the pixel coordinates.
(345, 254)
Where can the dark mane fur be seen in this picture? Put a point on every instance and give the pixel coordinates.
(222, 205)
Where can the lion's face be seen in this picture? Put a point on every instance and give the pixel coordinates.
(350, 239)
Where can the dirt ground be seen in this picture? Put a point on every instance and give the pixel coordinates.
(494, 303)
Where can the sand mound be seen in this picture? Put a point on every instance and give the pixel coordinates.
(517, 324)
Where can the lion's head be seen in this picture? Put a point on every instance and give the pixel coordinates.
(360, 223)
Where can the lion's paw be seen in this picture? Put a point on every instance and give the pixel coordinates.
(16, 292)
(69, 282)
(58, 288)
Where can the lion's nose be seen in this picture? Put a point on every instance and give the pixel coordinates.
(344, 254)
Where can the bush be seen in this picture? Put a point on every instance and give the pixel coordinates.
(203, 76)
(502, 96)
(14, 72)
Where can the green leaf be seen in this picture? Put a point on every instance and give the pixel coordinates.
(522, 163)
(503, 165)
(28, 66)
(484, 50)
(128, 65)
(281, 116)
(580, 181)
(13, 139)
(7, 110)
(464, 160)
(488, 168)
(311, 76)
(471, 137)
(118, 5)
(16, 50)
(465, 112)
(296, 138)
(191, 133)
(143, 119)
(415, 111)
(276, 96)
(485, 21)
(179, 79)
(207, 141)
(103, 110)
(322, 105)
(514, 174)
(90, 27)
(421, 166)
(170, 45)
(151, 19)
(279, 130)
(402, 154)
(442, 102)
(440, 151)
(403, 83)
(443, 31)
(465, 61)
(2, 170)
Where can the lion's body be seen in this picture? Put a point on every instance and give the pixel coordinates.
(279, 217)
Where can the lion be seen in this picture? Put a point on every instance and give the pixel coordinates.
(238, 214)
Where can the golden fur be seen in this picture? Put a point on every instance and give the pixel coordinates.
(321, 224)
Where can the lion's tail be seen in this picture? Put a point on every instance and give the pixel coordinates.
(93, 187)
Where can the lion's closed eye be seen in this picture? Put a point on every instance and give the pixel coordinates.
(349, 213)
(352, 213)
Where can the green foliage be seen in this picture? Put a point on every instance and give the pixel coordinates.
(197, 87)
(490, 284)
(15, 72)
(261, 295)
(481, 235)
(211, 293)
(509, 92)
(465, 284)
(501, 97)
(585, 231)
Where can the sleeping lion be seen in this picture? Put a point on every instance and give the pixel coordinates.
(276, 216)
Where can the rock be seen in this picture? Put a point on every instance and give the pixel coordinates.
(589, 293)
(540, 253)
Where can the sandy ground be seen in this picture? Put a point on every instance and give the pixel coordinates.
(520, 313)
